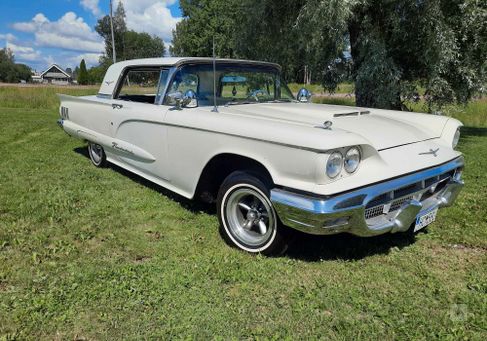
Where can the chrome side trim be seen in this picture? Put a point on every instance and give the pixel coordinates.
(346, 212)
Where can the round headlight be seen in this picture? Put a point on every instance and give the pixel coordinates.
(334, 165)
(352, 159)
(456, 138)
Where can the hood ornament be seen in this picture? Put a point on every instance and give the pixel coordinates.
(431, 151)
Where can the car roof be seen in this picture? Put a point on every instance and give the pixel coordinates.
(114, 71)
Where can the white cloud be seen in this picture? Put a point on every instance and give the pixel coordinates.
(31, 26)
(92, 6)
(69, 32)
(141, 5)
(24, 53)
(53, 39)
(50, 60)
(91, 59)
(8, 37)
(151, 16)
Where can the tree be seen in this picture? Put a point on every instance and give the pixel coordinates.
(205, 21)
(83, 77)
(23, 72)
(119, 28)
(142, 45)
(436, 43)
(11, 72)
(394, 44)
(96, 74)
(128, 44)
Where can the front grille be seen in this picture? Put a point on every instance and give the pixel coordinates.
(374, 211)
(388, 202)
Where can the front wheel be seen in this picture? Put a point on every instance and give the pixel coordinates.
(247, 217)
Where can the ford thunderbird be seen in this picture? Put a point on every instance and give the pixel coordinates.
(231, 132)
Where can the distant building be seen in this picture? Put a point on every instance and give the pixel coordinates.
(36, 77)
(53, 75)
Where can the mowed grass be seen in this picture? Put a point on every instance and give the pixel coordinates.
(97, 254)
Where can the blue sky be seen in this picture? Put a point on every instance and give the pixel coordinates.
(42, 32)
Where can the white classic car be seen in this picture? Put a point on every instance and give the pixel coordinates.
(231, 132)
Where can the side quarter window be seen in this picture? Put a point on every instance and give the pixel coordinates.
(142, 85)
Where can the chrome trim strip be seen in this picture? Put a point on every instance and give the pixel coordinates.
(226, 134)
(311, 214)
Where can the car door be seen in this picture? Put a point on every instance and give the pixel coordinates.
(137, 124)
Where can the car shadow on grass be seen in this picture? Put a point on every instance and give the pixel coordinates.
(344, 246)
(193, 206)
(305, 247)
(473, 131)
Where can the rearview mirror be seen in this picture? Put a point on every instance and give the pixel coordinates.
(303, 95)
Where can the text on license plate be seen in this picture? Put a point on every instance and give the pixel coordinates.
(425, 219)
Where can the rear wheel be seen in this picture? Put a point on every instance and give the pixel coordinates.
(247, 217)
(97, 154)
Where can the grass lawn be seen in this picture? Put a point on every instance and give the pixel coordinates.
(317, 89)
(95, 254)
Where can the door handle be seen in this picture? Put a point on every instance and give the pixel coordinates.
(117, 106)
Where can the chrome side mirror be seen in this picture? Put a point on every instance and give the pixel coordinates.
(179, 101)
(190, 100)
(175, 98)
(303, 95)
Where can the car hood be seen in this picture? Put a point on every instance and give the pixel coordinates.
(383, 129)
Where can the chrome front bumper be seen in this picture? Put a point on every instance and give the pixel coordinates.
(389, 206)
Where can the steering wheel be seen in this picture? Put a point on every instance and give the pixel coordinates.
(254, 94)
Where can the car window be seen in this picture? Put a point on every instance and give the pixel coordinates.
(242, 85)
(184, 81)
(143, 85)
(234, 84)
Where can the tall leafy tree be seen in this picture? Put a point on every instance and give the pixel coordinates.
(128, 44)
(83, 77)
(142, 45)
(103, 28)
(205, 21)
(10, 71)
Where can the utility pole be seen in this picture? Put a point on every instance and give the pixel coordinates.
(114, 54)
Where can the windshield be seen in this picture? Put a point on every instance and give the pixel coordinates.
(235, 84)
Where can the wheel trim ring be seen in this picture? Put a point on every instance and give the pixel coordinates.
(96, 153)
(239, 243)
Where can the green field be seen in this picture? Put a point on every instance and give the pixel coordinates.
(316, 89)
(100, 254)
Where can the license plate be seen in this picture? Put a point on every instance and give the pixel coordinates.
(425, 219)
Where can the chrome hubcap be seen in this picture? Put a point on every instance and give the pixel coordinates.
(96, 153)
(250, 216)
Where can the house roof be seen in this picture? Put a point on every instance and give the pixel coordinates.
(57, 67)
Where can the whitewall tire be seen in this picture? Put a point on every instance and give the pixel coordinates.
(247, 217)
(97, 154)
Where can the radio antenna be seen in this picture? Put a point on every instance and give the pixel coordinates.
(215, 108)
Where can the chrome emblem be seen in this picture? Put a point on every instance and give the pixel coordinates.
(108, 82)
(327, 124)
(431, 151)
